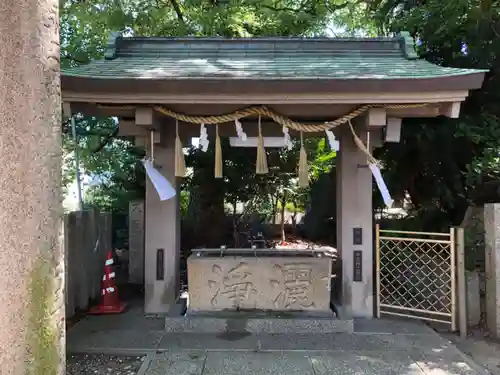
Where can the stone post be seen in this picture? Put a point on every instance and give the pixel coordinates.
(492, 265)
(32, 323)
(136, 242)
(162, 251)
(355, 226)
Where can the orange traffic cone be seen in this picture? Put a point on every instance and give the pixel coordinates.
(110, 303)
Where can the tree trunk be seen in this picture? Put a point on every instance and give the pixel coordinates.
(236, 232)
(32, 324)
(282, 218)
(274, 203)
(294, 222)
(206, 217)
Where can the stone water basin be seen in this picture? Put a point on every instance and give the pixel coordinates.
(261, 279)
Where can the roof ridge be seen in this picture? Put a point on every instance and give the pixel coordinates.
(257, 39)
(406, 42)
(408, 45)
(111, 45)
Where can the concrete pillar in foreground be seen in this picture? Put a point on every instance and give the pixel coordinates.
(32, 325)
(162, 245)
(492, 263)
(354, 226)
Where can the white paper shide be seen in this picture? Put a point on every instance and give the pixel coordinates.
(386, 196)
(161, 184)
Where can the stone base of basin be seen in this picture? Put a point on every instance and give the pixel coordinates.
(281, 283)
(217, 325)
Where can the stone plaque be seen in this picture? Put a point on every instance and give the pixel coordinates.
(358, 266)
(269, 283)
(357, 236)
(160, 264)
(136, 242)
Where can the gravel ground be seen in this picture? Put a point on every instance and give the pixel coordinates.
(102, 365)
(296, 243)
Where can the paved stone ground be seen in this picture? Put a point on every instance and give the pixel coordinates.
(481, 348)
(302, 363)
(375, 347)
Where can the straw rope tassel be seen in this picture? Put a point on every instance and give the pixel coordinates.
(218, 154)
(180, 164)
(303, 168)
(261, 163)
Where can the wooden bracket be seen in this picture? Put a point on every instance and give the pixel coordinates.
(376, 117)
(145, 117)
(393, 130)
(451, 110)
(66, 110)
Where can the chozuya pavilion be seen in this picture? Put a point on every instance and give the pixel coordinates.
(354, 91)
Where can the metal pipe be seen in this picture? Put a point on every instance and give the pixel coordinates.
(461, 282)
(377, 268)
(152, 144)
(77, 165)
(415, 310)
(453, 280)
(419, 233)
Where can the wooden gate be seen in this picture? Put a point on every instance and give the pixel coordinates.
(415, 275)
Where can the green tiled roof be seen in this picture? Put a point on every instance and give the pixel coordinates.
(262, 58)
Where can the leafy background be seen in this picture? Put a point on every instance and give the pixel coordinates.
(443, 165)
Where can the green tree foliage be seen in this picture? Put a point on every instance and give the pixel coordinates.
(112, 163)
(443, 164)
(448, 164)
(85, 26)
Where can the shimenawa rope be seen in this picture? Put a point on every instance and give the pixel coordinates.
(287, 122)
(281, 120)
(278, 118)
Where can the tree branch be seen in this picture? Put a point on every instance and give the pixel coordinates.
(334, 8)
(300, 9)
(178, 11)
(303, 7)
(69, 57)
(113, 134)
(284, 9)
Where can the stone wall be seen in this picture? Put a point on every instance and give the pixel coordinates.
(473, 224)
(474, 248)
(87, 240)
(492, 267)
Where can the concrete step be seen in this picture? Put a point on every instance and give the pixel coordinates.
(257, 325)
(141, 342)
